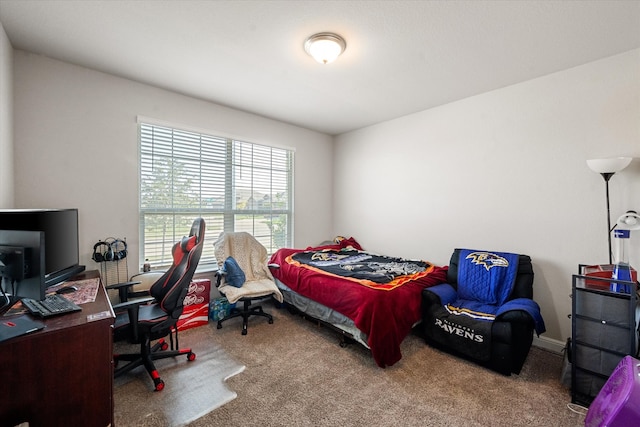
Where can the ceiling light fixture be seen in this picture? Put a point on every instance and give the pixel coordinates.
(325, 47)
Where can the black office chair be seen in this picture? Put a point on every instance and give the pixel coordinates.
(147, 319)
(258, 284)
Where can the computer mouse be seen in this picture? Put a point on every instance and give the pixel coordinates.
(66, 290)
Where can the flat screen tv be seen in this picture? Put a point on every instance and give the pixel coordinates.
(61, 247)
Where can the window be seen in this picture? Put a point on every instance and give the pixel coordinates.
(233, 185)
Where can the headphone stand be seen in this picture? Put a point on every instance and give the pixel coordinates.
(111, 254)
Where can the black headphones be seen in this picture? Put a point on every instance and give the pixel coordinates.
(100, 255)
(119, 249)
(114, 250)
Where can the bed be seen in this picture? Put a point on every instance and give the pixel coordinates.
(374, 299)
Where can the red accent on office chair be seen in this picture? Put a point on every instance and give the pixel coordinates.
(141, 321)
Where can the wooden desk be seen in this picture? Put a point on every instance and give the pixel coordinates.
(63, 374)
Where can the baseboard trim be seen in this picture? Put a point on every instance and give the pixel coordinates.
(549, 344)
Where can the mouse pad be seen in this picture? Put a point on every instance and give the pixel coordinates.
(87, 290)
(11, 327)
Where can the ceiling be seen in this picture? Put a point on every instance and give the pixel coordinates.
(402, 56)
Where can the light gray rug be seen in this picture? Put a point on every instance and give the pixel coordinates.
(192, 389)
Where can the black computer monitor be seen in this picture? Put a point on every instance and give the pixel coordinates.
(61, 248)
(22, 265)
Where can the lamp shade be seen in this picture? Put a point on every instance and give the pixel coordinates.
(629, 221)
(610, 165)
(325, 47)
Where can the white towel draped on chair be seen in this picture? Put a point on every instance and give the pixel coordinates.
(251, 256)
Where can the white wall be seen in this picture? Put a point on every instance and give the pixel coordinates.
(6, 119)
(501, 171)
(76, 146)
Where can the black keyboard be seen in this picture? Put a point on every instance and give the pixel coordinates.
(52, 305)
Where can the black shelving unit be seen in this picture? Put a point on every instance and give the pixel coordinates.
(604, 330)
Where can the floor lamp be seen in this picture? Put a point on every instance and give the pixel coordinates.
(607, 168)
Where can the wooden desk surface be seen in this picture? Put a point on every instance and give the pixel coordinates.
(90, 311)
(63, 374)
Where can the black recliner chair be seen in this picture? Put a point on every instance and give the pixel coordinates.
(147, 319)
(491, 324)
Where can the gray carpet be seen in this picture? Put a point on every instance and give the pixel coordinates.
(297, 375)
(192, 389)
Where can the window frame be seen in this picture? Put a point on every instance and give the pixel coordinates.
(235, 215)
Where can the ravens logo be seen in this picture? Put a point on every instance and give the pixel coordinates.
(488, 260)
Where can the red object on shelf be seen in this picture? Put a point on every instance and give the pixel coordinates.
(196, 305)
(602, 271)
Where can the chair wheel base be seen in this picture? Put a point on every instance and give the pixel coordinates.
(246, 312)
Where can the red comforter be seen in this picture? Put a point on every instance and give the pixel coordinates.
(386, 316)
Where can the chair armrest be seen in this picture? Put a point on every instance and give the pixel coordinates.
(516, 316)
(429, 298)
(133, 309)
(123, 289)
(122, 285)
(522, 310)
(440, 294)
(132, 304)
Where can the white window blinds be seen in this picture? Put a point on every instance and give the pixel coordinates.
(233, 185)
